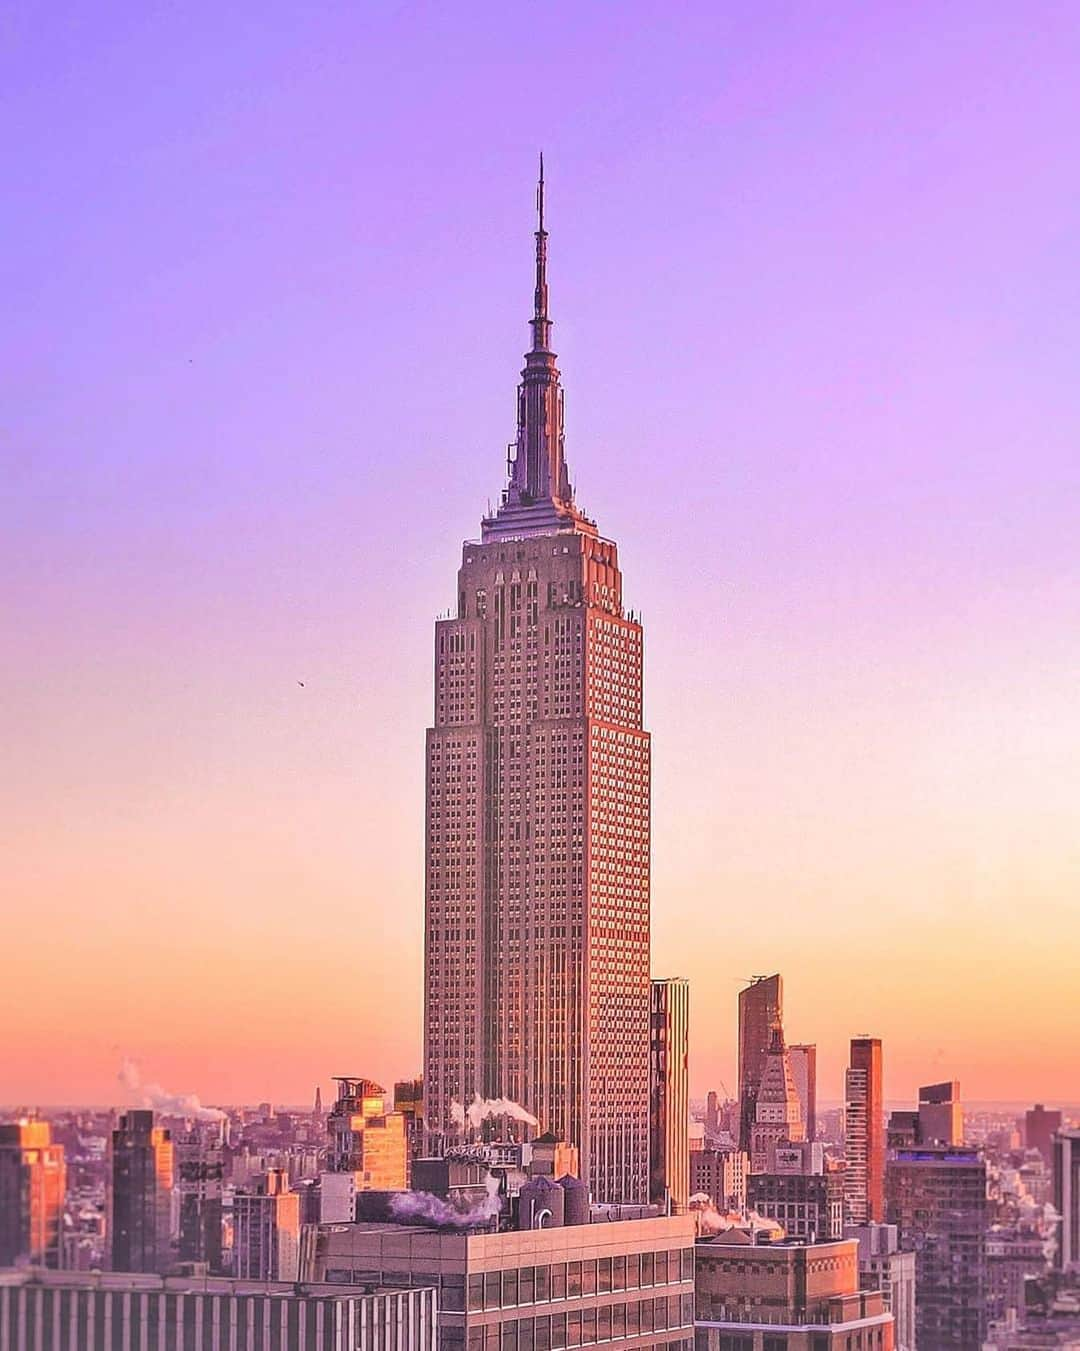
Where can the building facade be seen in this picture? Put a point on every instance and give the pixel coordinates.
(803, 1057)
(81, 1311)
(627, 1283)
(1066, 1196)
(669, 1102)
(761, 1008)
(721, 1175)
(937, 1200)
(199, 1171)
(367, 1138)
(864, 1134)
(1041, 1124)
(538, 820)
(140, 1194)
(885, 1267)
(941, 1117)
(266, 1230)
(785, 1297)
(777, 1110)
(32, 1187)
(808, 1206)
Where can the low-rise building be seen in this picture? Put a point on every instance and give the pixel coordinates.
(785, 1296)
(808, 1206)
(884, 1267)
(83, 1311)
(629, 1283)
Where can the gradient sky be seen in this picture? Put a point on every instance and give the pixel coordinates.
(266, 271)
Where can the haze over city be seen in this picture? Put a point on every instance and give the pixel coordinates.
(258, 361)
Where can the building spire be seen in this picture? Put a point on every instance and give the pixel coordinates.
(538, 497)
(541, 324)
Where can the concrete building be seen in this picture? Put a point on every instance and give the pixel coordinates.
(366, 1139)
(1014, 1256)
(1041, 1124)
(761, 1008)
(669, 1095)
(538, 819)
(808, 1206)
(32, 1187)
(1066, 1197)
(198, 1178)
(720, 1174)
(885, 1267)
(83, 1311)
(864, 1135)
(777, 1110)
(937, 1200)
(628, 1283)
(785, 1297)
(941, 1118)
(803, 1057)
(409, 1101)
(266, 1230)
(140, 1194)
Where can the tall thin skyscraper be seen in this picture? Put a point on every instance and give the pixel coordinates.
(864, 1134)
(669, 1142)
(32, 1185)
(199, 1160)
(761, 1008)
(1065, 1149)
(140, 1194)
(803, 1057)
(538, 802)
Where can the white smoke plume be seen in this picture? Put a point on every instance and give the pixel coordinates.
(170, 1104)
(424, 1208)
(484, 1109)
(708, 1220)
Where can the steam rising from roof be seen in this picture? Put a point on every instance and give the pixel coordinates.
(424, 1208)
(169, 1104)
(485, 1109)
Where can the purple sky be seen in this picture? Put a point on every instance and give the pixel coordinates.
(266, 272)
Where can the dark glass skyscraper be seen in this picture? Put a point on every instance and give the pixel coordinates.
(538, 798)
(140, 1194)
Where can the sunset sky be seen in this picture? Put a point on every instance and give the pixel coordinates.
(266, 273)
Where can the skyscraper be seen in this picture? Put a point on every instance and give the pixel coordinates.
(1066, 1153)
(941, 1118)
(777, 1110)
(200, 1170)
(32, 1186)
(803, 1059)
(367, 1138)
(937, 1199)
(761, 1008)
(1040, 1126)
(864, 1135)
(669, 1115)
(140, 1193)
(537, 833)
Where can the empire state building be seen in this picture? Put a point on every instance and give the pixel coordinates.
(538, 791)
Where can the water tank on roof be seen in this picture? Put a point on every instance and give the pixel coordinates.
(540, 1204)
(575, 1200)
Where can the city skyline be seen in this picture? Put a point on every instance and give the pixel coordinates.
(863, 723)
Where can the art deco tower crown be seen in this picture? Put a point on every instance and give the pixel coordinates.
(539, 497)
